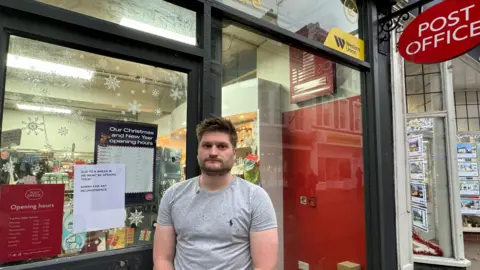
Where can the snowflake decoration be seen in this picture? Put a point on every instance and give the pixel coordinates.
(136, 217)
(117, 68)
(102, 63)
(48, 146)
(44, 91)
(8, 167)
(63, 131)
(134, 107)
(132, 74)
(144, 91)
(176, 93)
(155, 92)
(37, 168)
(81, 56)
(158, 112)
(112, 82)
(87, 137)
(118, 94)
(132, 92)
(156, 80)
(33, 125)
(142, 80)
(78, 115)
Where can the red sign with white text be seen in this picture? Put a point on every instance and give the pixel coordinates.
(442, 32)
(30, 221)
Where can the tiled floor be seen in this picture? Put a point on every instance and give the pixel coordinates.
(472, 252)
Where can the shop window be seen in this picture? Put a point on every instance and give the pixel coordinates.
(159, 18)
(311, 19)
(423, 88)
(300, 137)
(54, 99)
(428, 174)
(467, 108)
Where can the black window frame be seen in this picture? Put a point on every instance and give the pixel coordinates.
(31, 19)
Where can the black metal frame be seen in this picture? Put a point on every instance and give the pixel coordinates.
(47, 23)
(393, 21)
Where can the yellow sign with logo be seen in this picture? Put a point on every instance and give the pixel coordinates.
(346, 43)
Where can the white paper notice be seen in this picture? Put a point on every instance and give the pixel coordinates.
(138, 163)
(98, 197)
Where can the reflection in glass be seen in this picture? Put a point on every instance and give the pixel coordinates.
(303, 130)
(428, 177)
(54, 95)
(155, 17)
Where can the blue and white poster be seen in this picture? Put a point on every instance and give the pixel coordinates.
(466, 150)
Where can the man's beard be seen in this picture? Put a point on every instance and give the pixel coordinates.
(225, 168)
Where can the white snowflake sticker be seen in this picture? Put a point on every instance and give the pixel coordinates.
(132, 92)
(63, 131)
(33, 125)
(102, 63)
(158, 112)
(136, 217)
(134, 107)
(155, 92)
(112, 82)
(142, 80)
(176, 93)
(8, 167)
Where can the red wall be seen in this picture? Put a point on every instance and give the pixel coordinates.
(324, 163)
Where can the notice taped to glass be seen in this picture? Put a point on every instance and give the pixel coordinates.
(98, 197)
(31, 225)
(132, 144)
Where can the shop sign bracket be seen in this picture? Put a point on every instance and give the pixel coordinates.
(394, 22)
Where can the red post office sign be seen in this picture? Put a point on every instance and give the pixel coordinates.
(444, 31)
(30, 221)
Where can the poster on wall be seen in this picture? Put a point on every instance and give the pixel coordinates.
(467, 169)
(98, 197)
(132, 144)
(469, 187)
(415, 146)
(31, 225)
(420, 218)
(419, 193)
(466, 150)
(71, 243)
(417, 169)
(470, 206)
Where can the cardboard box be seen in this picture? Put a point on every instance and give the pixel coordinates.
(348, 266)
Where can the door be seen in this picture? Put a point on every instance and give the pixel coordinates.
(58, 82)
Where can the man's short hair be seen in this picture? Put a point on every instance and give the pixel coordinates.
(218, 124)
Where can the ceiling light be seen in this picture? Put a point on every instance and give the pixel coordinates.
(43, 109)
(157, 31)
(17, 61)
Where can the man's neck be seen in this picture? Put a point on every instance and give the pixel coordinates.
(215, 182)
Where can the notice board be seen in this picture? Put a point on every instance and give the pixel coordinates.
(30, 221)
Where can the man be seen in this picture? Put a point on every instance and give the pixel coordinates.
(216, 221)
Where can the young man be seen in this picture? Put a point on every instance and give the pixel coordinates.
(216, 221)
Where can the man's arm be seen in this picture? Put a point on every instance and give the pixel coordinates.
(263, 232)
(165, 239)
(164, 248)
(264, 249)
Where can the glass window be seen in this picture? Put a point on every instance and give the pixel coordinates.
(468, 116)
(54, 98)
(423, 88)
(299, 121)
(311, 19)
(428, 175)
(155, 17)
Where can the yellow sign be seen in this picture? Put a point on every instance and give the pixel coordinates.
(346, 43)
(254, 3)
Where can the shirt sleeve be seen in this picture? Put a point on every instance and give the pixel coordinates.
(164, 217)
(263, 213)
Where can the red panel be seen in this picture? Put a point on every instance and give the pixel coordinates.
(322, 152)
